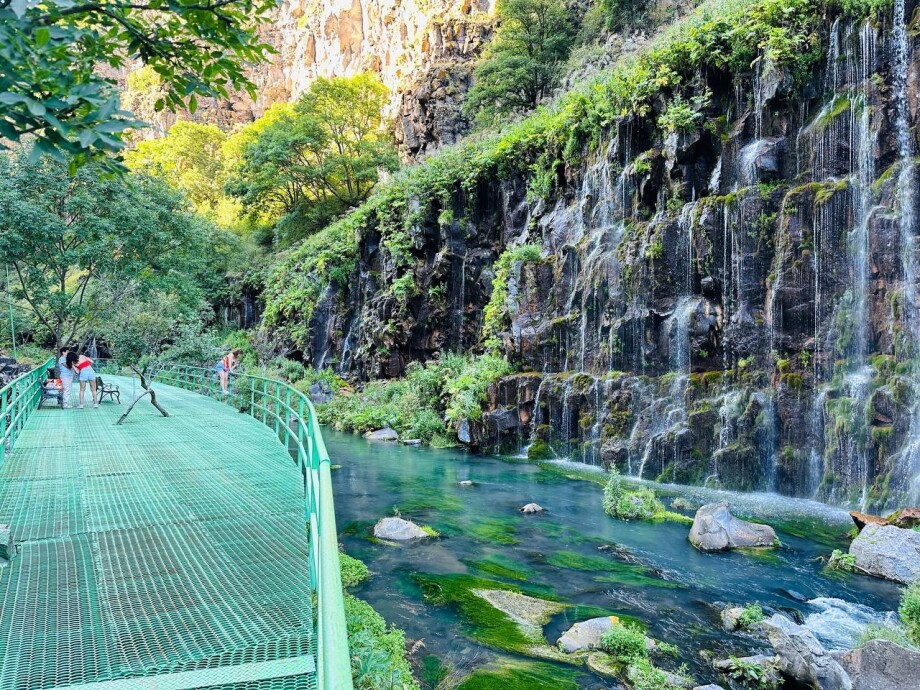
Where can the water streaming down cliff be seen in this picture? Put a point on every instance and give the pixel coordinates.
(732, 304)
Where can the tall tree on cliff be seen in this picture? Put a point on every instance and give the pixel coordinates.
(51, 84)
(317, 159)
(524, 61)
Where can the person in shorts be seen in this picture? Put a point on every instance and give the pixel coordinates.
(86, 375)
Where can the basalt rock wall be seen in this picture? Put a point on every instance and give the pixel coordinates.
(731, 303)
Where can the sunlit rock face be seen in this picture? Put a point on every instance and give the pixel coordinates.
(423, 51)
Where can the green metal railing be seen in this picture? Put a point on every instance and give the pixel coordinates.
(291, 415)
(18, 399)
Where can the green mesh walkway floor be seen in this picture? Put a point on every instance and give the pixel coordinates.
(163, 546)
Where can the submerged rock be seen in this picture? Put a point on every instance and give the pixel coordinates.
(716, 529)
(524, 610)
(386, 434)
(889, 552)
(412, 442)
(466, 482)
(801, 657)
(882, 665)
(587, 634)
(397, 529)
(532, 508)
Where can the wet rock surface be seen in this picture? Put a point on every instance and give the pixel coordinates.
(386, 435)
(882, 665)
(586, 634)
(801, 656)
(889, 552)
(716, 529)
(397, 529)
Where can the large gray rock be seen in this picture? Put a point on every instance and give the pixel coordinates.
(716, 529)
(882, 665)
(801, 657)
(397, 529)
(587, 634)
(385, 434)
(889, 552)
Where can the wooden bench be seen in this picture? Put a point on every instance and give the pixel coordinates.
(107, 389)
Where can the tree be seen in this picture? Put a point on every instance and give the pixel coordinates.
(51, 84)
(77, 246)
(318, 159)
(189, 158)
(524, 61)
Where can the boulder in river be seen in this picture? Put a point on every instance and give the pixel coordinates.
(385, 434)
(801, 657)
(716, 529)
(882, 665)
(532, 508)
(587, 634)
(397, 529)
(889, 552)
(731, 618)
(466, 482)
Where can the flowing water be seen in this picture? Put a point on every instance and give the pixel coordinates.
(574, 551)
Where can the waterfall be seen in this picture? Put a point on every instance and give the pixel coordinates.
(905, 193)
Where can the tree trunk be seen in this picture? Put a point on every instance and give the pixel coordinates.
(142, 374)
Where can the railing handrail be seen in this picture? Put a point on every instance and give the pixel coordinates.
(292, 407)
(18, 399)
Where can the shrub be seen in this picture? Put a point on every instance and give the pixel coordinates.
(495, 315)
(643, 676)
(626, 643)
(637, 504)
(354, 572)
(752, 614)
(910, 612)
(841, 560)
(752, 675)
(891, 633)
(378, 653)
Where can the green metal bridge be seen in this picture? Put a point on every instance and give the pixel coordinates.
(194, 551)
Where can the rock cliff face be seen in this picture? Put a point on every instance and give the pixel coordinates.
(734, 305)
(423, 50)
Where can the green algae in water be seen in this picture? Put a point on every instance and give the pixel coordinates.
(484, 623)
(614, 571)
(502, 566)
(495, 531)
(433, 502)
(523, 676)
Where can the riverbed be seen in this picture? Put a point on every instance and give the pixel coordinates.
(575, 553)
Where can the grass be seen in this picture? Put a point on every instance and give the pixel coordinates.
(354, 572)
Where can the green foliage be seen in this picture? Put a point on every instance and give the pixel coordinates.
(841, 560)
(296, 281)
(81, 247)
(354, 572)
(624, 504)
(683, 115)
(442, 391)
(643, 676)
(524, 61)
(752, 675)
(495, 315)
(378, 653)
(877, 631)
(625, 642)
(752, 614)
(190, 158)
(619, 14)
(318, 159)
(910, 612)
(50, 56)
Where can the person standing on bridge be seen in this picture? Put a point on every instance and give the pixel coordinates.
(65, 373)
(226, 366)
(87, 375)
